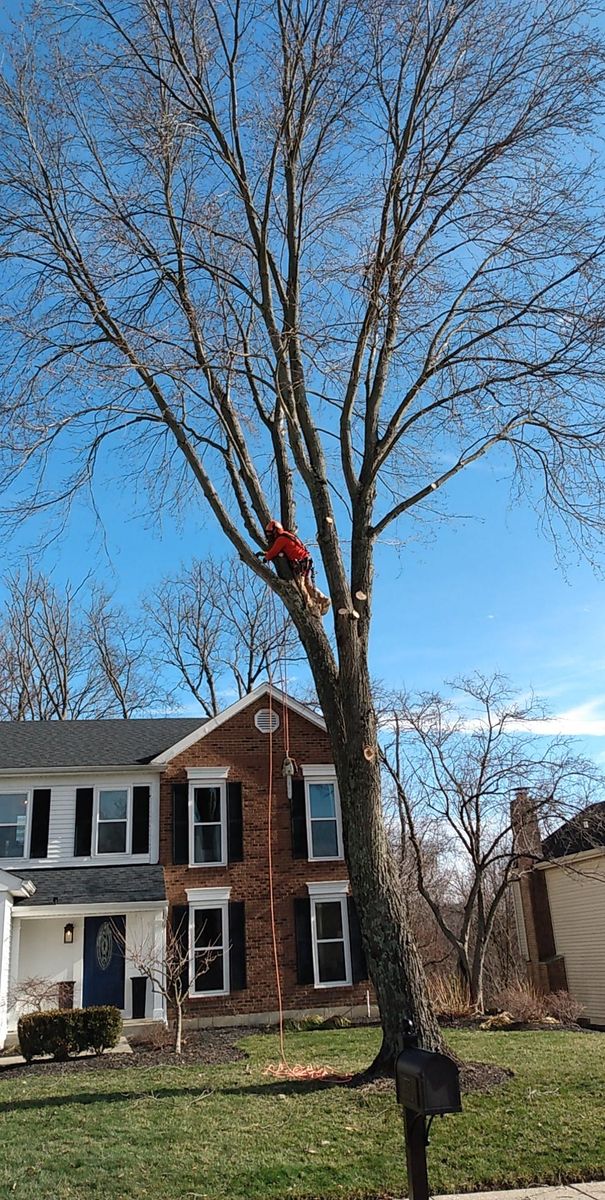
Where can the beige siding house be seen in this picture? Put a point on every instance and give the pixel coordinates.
(560, 906)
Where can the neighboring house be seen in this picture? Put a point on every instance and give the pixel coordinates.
(108, 826)
(561, 905)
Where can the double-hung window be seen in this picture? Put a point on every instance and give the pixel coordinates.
(208, 816)
(209, 941)
(330, 934)
(113, 820)
(324, 831)
(13, 824)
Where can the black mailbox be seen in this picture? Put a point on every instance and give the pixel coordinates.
(427, 1083)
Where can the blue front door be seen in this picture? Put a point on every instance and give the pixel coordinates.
(104, 961)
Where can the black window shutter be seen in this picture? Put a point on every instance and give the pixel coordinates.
(298, 813)
(359, 966)
(83, 837)
(140, 820)
(38, 847)
(304, 949)
(180, 823)
(180, 932)
(237, 945)
(235, 823)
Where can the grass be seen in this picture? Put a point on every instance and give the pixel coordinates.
(229, 1132)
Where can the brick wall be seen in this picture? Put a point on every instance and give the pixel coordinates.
(239, 745)
(546, 969)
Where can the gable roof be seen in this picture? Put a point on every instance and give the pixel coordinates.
(585, 831)
(40, 745)
(278, 699)
(37, 746)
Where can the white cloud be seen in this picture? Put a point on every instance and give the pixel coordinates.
(585, 720)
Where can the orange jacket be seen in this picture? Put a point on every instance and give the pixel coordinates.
(288, 544)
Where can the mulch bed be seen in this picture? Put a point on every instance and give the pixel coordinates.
(207, 1047)
(476, 1078)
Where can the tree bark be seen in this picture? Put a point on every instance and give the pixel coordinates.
(394, 963)
(178, 1036)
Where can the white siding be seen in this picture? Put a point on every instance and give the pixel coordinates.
(62, 823)
(42, 954)
(63, 817)
(577, 904)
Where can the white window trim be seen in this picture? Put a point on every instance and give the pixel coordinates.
(210, 900)
(208, 774)
(28, 793)
(322, 773)
(207, 777)
(332, 893)
(124, 787)
(207, 897)
(336, 887)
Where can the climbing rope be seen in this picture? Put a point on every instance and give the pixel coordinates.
(283, 1069)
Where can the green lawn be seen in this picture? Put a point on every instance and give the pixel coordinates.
(229, 1132)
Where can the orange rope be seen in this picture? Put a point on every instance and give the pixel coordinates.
(280, 1005)
(283, 1070)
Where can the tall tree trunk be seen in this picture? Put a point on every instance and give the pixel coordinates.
(394, 963)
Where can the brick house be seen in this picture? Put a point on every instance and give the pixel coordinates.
(560, 904)
(112, 826)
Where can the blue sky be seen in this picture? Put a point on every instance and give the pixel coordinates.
(483, 591)
(480, 591)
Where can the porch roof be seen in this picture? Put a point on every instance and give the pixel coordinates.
(95, 885)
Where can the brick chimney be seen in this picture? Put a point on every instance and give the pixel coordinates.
(526, 830)
(546, 969)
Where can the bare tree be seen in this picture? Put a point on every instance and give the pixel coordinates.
(120, 651)
(35, 994)
(65, 658)
(215, 626)
(454, 770)
(166, 964)
(325, 256)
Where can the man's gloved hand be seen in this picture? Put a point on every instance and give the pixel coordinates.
(260, 554)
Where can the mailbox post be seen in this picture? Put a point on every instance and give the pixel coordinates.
(428, 1085)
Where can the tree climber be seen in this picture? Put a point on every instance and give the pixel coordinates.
(301, 564)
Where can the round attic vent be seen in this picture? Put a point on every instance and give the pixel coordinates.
(266, 720)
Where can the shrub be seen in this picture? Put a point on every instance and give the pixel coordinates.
(102, 1027)
(61, 1032)
(523, 1002)
(450, 997)
(563, 1007)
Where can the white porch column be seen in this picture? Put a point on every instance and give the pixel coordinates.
(159, 940)
(6, 912)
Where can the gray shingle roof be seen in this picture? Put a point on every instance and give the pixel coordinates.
(38, 744)
(585, 831)
(95, 885)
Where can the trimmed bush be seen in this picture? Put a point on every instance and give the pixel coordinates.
(102, 1027)
(61, 1032)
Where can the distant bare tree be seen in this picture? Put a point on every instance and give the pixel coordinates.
(214, 625)
(454, 774)
(318, 258)
(63, 660)
(120, 652)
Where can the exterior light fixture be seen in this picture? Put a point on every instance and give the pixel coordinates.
(68, 934)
